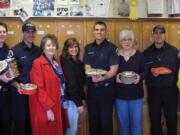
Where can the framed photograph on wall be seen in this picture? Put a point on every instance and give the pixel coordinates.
(73, 1)
(76, 10)
(4, 4)
(43, 8)
(101, 7)
(4, 7)
(173, 7)
(62, 11)
(154, 8)
(62, 2)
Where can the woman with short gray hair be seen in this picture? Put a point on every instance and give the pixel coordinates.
(129, 94)
(126, 33)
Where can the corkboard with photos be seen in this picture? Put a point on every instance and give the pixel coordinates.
(87, 8)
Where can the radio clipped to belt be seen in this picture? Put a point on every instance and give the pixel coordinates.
(3, 89)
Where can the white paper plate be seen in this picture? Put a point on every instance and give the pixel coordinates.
(96, 72)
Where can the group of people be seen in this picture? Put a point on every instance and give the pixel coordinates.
(61, 84)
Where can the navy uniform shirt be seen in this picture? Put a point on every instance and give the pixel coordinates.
(167, 56)
(25, 56)
(3, 55)
(101, 56)
(4, 52)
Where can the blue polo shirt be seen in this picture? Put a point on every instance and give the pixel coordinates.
(101, 56)
(25, 56)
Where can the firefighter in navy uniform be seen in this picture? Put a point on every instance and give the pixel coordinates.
(5, 97)
(162, 88)
(25, 53)
(100, 95)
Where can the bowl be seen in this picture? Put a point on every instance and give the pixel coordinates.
(29, 89)
(127, 77)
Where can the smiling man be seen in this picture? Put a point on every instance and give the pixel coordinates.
(162, 88)
(25, 53)
(101, 54)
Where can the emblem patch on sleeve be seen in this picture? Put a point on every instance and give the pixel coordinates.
(179, 55)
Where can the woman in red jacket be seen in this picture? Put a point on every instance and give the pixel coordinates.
(45, 105)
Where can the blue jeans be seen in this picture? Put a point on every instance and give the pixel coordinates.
(129, 114)
(73, 118)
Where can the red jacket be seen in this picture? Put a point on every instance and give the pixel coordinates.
(47, 97)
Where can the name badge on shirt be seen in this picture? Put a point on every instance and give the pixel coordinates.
(90, 53)
(149, 62)
(23, 57)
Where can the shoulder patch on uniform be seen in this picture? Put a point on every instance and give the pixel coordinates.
(117, 51)
(179, 55)
(10, 54)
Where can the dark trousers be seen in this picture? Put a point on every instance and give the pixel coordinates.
(100, 101)
(20, 114)
(5, 113)
(163, 99)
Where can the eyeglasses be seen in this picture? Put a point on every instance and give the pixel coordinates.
(126, 39)
(3, 32)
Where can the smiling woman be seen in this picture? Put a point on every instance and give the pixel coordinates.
(73, 70)
(45, 105)
(129, 86)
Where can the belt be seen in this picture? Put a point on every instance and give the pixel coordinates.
(3, 89)
(99, 84)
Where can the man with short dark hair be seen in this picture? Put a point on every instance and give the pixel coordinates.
(161, 83)
(100, 95)
(25, 53)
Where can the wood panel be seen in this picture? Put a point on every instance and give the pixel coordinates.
(68, 29)
(14, 31)
(43, 27)
(174, 33)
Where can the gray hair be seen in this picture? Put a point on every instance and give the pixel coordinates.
(126, 33)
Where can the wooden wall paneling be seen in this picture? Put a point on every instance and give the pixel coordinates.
(83, 123)
(69, 28)
(90, 28)
(146, 118)
(130, 25)
(147, 28)
(174, 33)
(14, 31)
(43, 26)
